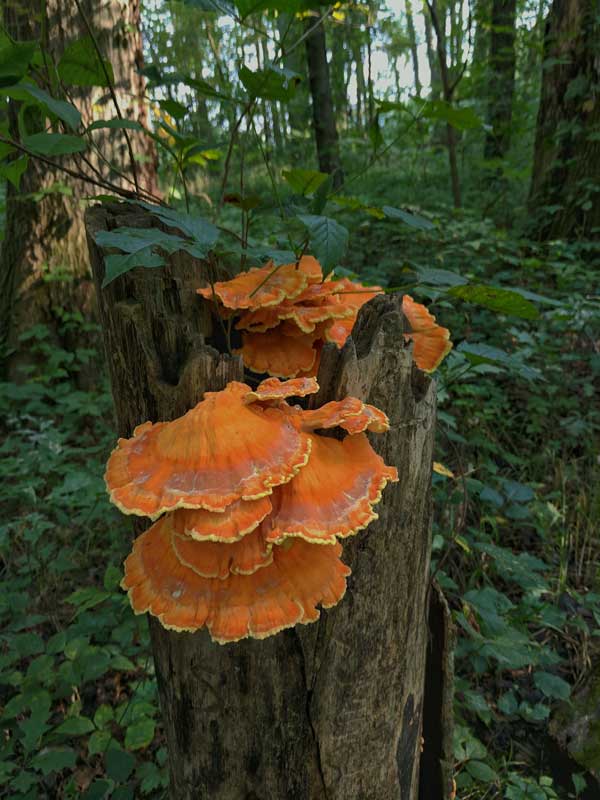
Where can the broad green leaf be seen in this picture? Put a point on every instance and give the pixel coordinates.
(15, 58)
(439, 277)
(486, 354)
(116, 124)
(99, 790)
(140, 733)
(173, 108)
(116, 265)
(54, 144)
(516, 492)
(61, 109)
(508, 703)
(390, 105)
(54, 759)
(13, 170)
(328, 239)
(119, 764)
(271, 83)
(80, 65)
(551, 685)
(504, 301)
(354, 204)
(461, 118)
(200, 231)
(413, 220)
(304, 181)
(481, 772)
(87, 597)
(75, 726)
(104, 714)
(100, 741)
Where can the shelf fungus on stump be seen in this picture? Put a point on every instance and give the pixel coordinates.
(253, 501)
(283, 327)
(431, 342)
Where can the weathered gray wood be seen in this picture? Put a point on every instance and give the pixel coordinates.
(329, 711)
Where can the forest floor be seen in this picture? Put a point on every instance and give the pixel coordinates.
(516, 531)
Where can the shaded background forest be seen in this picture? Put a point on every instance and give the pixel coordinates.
(453, 149)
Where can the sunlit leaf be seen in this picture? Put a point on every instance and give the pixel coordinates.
(504, 301)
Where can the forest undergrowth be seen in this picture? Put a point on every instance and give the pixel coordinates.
(515, 535)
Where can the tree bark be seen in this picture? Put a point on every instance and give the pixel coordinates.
(326, 136)
(44, 269)
(328, 711)
(412, 38)
(567, 146)
(432, 59)
(501, 78)
(448, 91)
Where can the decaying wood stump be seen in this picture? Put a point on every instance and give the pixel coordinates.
(328, 711)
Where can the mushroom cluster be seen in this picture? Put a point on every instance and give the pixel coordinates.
(249, 502)
(288, 312)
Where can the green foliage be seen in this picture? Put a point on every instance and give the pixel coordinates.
(78, 694)
(80, 65)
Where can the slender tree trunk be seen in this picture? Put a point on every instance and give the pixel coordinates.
(296, 62)
(432, 58)
(501, 78)
(412, 38)
(370, 101)
(328, 711)
(322, 104)
(567, 146)
(361, 106)
(44, 269)
(448, 89)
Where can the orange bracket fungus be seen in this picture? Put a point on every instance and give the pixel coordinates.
(288, 313)
(431, 342)
(250, 502)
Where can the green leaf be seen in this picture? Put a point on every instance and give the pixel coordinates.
(272, 83)
(439, 277)
(119, 764)
(116, 124)
(87, 597)
(54, 144)
(413, 220)
(461, 118)
(202, 233)
(112, 577)
(75, 726)
(508, 703)
(54, 759)
(99, 790)
(304, 181)
(328, 239)
(247, 7)
(173, 108)
(486, 354)
(80, 65)
(140, 733)
(481, 772)
(505, 301)
(100, 741)
(104, 714)
(15, 58)
(139, 245)
(551, 685)
(13, 170)
(61, 109)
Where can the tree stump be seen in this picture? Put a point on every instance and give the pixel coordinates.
(327, 711)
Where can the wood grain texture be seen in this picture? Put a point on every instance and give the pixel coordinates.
(328, 711)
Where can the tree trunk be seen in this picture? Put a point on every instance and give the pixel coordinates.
(432, 59)
(567, 146)
(328, 711)
(412, 38)
(501, 78)
(448, 90)
(44, 270)
(322, 104)
(361, 106)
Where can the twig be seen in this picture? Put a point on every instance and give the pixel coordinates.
(111, 89)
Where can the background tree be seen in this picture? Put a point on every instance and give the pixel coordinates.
(501, 78)
(44, 268)
(567, 146)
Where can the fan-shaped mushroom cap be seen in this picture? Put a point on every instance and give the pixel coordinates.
(275, 389)
(351, 414)
(230, 525)
(220, 451)
(333, 495)
(217, 560)
(431, 342)
(275, 597)
(265, 286)
(279, 355)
